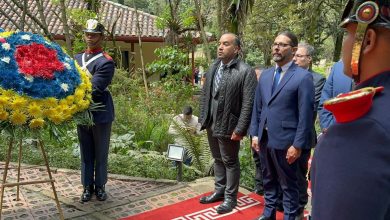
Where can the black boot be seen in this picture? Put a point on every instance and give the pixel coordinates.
(100, 193)
(87, 194)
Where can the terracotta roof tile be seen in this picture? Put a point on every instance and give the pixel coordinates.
(126, 26)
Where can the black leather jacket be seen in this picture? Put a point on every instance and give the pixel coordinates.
(235, 99)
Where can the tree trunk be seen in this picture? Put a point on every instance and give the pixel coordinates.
(337, 47)
(41, 13)
(140, 51)
(23, 19)
(117, 52)
(219, 17)
(64, 19)
(198, 7)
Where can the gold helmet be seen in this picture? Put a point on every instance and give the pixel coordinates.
(365, 14)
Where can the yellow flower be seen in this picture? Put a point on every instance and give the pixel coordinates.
(79, 94)
(18, 103)
(4, 101)
(70, 100)
(18, 118)
(51, 102)
(3, 115)
(73, 109)
(35, 110)
(6, 34)
(57, 118)
(67, 116)
(63, 103)
(49, 112)
(83, 104)
(7, 93)
(89, 86)
(37, 123)
(83, 86)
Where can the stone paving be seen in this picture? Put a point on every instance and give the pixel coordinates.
(127, 195)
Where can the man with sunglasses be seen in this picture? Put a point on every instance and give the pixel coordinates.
(281, 124)
(351, 166)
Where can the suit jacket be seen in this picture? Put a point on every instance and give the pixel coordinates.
(352, 160)
(287, 114)
(235, 99)
(102, 70)
(319, 82)
(336, 83)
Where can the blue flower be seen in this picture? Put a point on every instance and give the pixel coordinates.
(36, 87)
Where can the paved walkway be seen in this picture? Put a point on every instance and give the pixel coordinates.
(127, 195)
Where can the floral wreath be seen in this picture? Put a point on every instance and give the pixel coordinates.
(39, 82)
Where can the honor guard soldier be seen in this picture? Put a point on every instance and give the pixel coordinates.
(351, 166)
(95, 140)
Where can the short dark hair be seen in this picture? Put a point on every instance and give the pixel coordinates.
(236, 41)
(292, 36)
(187, 110)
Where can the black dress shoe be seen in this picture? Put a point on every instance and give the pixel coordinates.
(227, 206)
(87, 194)
(259, 192)
(262, 217)
(279, 208)
(300, 214)
(215, 197)
(100, 193)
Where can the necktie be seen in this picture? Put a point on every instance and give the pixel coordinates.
(276, 78)
(218, 77)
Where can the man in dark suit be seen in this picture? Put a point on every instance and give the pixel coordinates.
(304, 58)
(256, 158)
(281, 125)
(225, 112)
(336, 84)
(350, 170)
(95, 140)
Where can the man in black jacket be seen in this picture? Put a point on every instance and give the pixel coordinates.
(225, 112)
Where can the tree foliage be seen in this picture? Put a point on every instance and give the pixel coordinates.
(315, 22)
(172, 61)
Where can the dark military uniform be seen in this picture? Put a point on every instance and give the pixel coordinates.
(351, 166)
(94, 141)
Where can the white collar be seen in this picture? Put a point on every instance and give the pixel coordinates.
(285, 66)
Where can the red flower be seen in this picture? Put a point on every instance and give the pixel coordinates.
(38, 61)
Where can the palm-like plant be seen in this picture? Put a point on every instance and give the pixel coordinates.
(197, 146)
(239, 10)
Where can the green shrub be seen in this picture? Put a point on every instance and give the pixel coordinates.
(247, 165)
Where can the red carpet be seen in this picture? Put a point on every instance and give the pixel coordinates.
(248, 207)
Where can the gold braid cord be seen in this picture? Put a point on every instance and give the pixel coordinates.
(365, 15)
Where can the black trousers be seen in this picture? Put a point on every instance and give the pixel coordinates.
(94, 146)
(302, 170)
(226, 165)
(258, 174)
